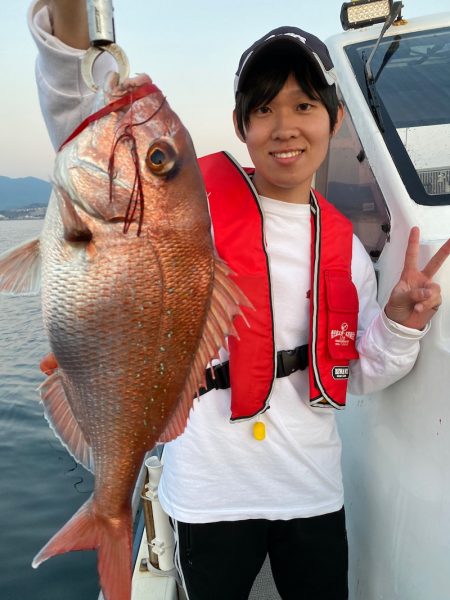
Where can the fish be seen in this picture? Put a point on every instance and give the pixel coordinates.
(135, 304)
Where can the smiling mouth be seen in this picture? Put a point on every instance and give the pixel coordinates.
(287, 154)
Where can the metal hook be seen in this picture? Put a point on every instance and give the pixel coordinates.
(102, 36)
(91, 56)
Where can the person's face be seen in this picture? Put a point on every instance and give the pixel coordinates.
(287, 140)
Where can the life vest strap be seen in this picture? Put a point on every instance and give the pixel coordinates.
(288, 361)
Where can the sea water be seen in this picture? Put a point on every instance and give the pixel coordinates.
(41, 485)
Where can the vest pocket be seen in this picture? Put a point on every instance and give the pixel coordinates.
(342, 322)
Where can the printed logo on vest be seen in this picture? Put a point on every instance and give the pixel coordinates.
(340, 372)
(342, 336)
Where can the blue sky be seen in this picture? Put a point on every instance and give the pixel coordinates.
(190, 49)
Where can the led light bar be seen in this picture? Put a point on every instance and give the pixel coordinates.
(361, 13)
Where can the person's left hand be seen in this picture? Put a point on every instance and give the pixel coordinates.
(415, 298)
(48, 364)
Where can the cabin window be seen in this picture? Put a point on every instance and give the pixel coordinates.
(347, 181)
(412, 86)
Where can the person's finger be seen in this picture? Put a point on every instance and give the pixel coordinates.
(419, 307)
(435, 297)
(419, 295)
(48, 364)
(434, 287)
(436, 262)
(431, 300)
(412, 250)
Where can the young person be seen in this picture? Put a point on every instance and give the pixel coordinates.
(233, 498)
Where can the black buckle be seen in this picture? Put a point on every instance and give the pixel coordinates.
(220, 381)
(289, 361)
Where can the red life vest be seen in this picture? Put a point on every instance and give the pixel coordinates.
(238, 225)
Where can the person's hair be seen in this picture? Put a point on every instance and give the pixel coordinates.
(268, 75)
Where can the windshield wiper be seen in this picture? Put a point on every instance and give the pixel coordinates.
(374, 99)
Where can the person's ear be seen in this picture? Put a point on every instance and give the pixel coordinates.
(339, 119)
(236, 128)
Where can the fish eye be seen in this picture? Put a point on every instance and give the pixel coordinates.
(161, 157)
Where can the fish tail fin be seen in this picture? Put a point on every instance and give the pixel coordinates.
(87, 530)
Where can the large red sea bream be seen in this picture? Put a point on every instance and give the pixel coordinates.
(134, 302)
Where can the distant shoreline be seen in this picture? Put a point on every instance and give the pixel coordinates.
(3, 219)
(30, 213)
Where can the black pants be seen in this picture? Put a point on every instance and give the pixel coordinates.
(308, 557)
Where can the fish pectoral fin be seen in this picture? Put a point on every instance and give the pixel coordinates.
(61, 419)
(20, 269)
(225, 305)
(75, 229)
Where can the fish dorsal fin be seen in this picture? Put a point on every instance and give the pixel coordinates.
(226, 300)
(20, 269)
(61, 419)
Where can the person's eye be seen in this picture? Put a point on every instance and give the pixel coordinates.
(262, 110)
(304, 107)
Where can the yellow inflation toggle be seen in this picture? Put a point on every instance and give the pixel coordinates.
(259, 431)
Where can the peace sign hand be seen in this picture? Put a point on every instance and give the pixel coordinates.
(415, 298)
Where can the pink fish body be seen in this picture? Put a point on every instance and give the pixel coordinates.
(135, 305)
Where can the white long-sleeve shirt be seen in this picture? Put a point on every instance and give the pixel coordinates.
(216, 470)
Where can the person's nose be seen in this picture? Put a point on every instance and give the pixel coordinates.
(286, 126)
